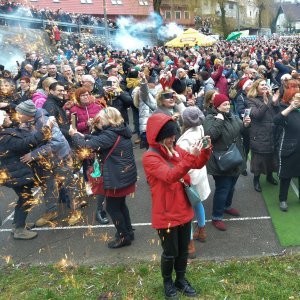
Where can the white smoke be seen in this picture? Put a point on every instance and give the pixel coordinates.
(133, 34)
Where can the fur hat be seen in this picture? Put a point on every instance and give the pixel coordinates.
(192, 116)
(26, 108)
(219, 99)
(169, 129)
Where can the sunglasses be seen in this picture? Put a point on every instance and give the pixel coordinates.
(167, 96)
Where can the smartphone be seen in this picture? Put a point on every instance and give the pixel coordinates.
(191, 73)
(74, 120)
(108, 83)
(18, 64)
(247, 112)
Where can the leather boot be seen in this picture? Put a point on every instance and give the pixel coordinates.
(166, 265)
(256, 184)
(183, 285)
(192, 250)
(200, 233)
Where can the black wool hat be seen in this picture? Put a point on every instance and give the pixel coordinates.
(169, 129)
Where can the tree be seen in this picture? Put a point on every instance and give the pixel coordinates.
(156, 6)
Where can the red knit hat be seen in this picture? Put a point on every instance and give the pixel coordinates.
(219, 99)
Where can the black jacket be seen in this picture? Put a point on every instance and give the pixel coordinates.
(54, 107)
(119, 170)
(122, 102)
(14, 143)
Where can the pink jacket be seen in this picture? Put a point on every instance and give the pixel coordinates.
(84, 113)
(39, 98)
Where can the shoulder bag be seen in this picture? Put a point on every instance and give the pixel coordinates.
(228, 160)
(95, 172)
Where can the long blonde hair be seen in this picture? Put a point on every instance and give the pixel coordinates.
(253, 90)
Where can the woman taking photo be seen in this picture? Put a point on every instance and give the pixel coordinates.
(165, 164)
(264, 107)
(111, 141)
(224, 128)
(288, 121)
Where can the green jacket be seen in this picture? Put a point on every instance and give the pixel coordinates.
(223, 133)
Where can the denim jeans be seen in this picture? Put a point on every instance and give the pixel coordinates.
(224, 189)
(23, 204)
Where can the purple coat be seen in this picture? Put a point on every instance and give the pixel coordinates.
(84, 113)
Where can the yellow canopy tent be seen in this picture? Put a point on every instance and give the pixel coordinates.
(190, 38)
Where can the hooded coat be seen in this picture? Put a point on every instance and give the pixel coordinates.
(170, 205)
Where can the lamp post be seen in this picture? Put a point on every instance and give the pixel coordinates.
(106, 25)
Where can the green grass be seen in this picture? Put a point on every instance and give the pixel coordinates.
(261, 278)
(286, 224)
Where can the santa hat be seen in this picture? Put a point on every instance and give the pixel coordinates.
(244, 83)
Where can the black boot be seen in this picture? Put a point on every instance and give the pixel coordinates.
(271, 179)
(183, 285)
(166, 265)
(256, 183)
(130, 233)
(101, 217)
(119, 242)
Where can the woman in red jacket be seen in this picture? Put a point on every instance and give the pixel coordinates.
(165, 164)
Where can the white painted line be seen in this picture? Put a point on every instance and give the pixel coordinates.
(134, 225)
(10, 217)
(294, 188)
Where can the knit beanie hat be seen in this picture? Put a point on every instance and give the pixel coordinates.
(178, 86)
(2, 117)
(219, 99)
(192, 116)
(26, 108)
(169, 129)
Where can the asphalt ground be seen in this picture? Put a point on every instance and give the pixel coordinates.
(252, 234)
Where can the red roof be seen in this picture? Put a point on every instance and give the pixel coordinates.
(128, 7)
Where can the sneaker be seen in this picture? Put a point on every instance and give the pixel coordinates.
(184, 286)
(192, 250)
(46, 218)
(283, 206)
(24, 234)
(101, 217)
(219, 224)
(200, 233)
(28, 226)
(75, 217)
(232, 212)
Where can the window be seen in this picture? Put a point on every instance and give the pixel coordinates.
(56, 0)
(117, 2)
(168, 15)
(177, 15)
(250, 13)
(144, 2)
(186, 15)
(230, 5)
(86, 1)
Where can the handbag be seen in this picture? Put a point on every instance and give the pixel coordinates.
(95, 172)
(191, 193)
(228, 160)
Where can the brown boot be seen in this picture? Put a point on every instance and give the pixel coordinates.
(200, 233)
(192, 250)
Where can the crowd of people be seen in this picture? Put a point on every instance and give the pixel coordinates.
(46, 14)
(191, 106)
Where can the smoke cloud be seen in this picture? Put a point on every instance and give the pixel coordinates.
(133, 34)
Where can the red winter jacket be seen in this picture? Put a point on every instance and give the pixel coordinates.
(170, 206)
(220, 81)
(84, 113)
